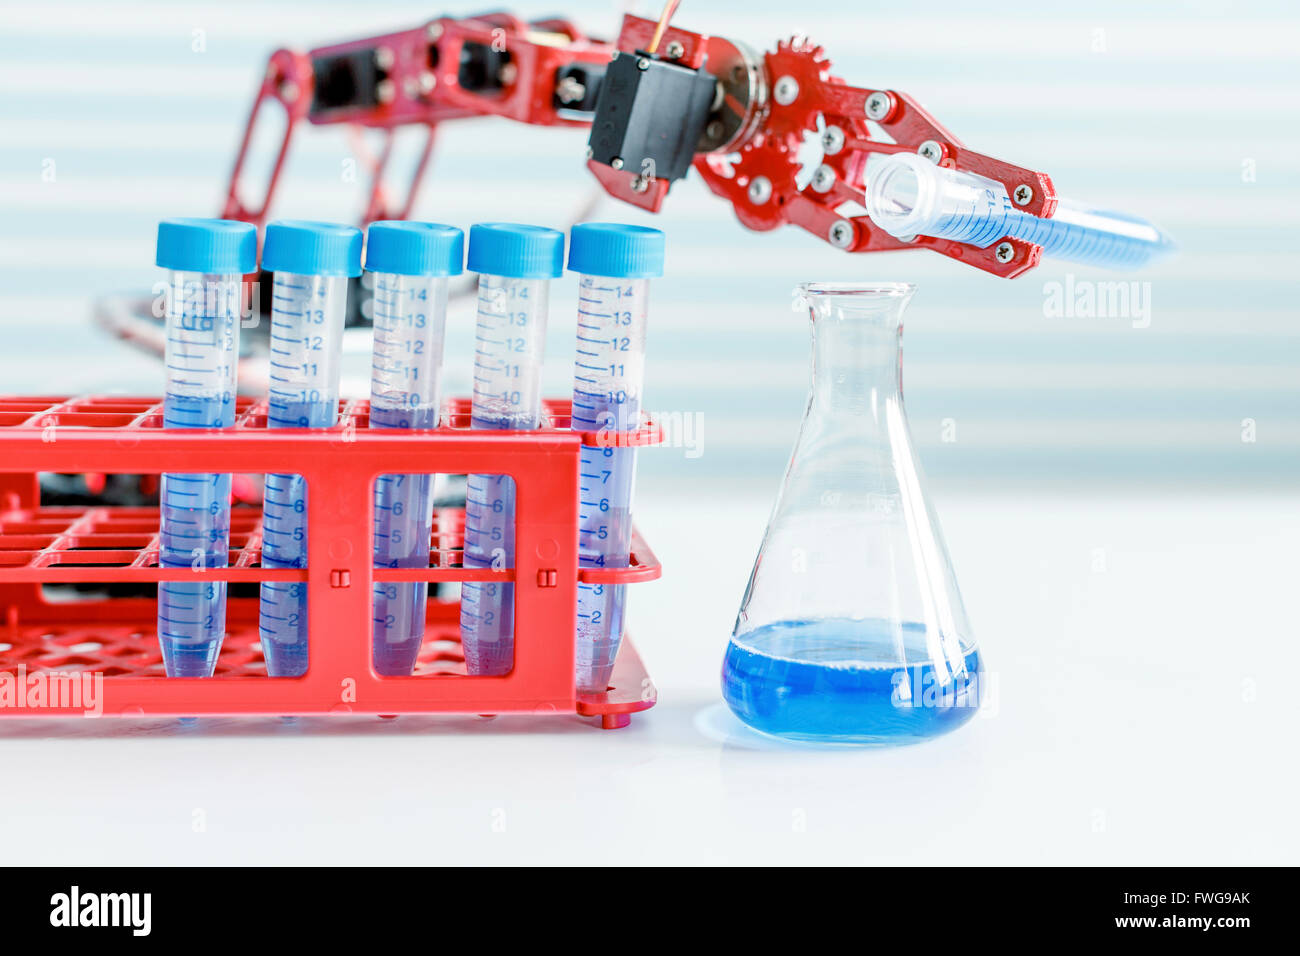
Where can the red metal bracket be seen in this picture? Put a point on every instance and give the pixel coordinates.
(804, 99)
(422, 87)
(288, 81)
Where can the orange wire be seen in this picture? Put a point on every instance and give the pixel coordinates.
(669, 9)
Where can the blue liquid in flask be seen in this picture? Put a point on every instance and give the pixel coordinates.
(843, 681)
(852, 629)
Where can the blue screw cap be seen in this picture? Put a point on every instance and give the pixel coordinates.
(415, 248)
(312, 248)
(617, 250)
(516, 251)
(215, 246)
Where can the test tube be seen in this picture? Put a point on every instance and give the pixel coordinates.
(312, 262)
(515, 265)
(410, 264)
(908, 196)
(615, 263)
(208, 259)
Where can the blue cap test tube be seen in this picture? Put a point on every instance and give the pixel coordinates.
(312, 262)
(615, 263)
(515, 265)
(208, 259)
(410, 263)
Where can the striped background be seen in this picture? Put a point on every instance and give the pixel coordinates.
(1158, 109)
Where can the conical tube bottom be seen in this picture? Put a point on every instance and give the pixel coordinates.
(844, 682)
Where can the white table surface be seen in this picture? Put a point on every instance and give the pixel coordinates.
(1144, 713)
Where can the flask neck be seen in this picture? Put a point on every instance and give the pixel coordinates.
(857, 352)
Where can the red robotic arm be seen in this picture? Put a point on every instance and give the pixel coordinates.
(549, 73)
(488, 65)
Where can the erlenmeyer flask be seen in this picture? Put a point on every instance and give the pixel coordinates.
(852, 629)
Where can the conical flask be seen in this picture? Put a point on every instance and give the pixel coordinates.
(852, 629)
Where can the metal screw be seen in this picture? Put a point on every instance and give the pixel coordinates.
(930, 150)
(1023, 194)
(714, 130)
(643, 64)
(1005, 252)
(434, 30)
(823, 178)
(427, 82)
(289, 92)
(675, 50)
(786, 90)
(384, 58)
(570, 90)
(879, 105)
(385, 91)
(760, 190)
(508, 74)
(616, 162)
(832, 140)
(841, 234)
(640, 184)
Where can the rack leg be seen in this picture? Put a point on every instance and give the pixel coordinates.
(614, 721)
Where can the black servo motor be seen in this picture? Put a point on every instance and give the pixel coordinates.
(650, 115)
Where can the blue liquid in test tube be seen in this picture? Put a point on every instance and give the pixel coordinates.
(515, 264)
(410, 263)
(312, 262)
(907, 195)
(615, 263)
(208, 259)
